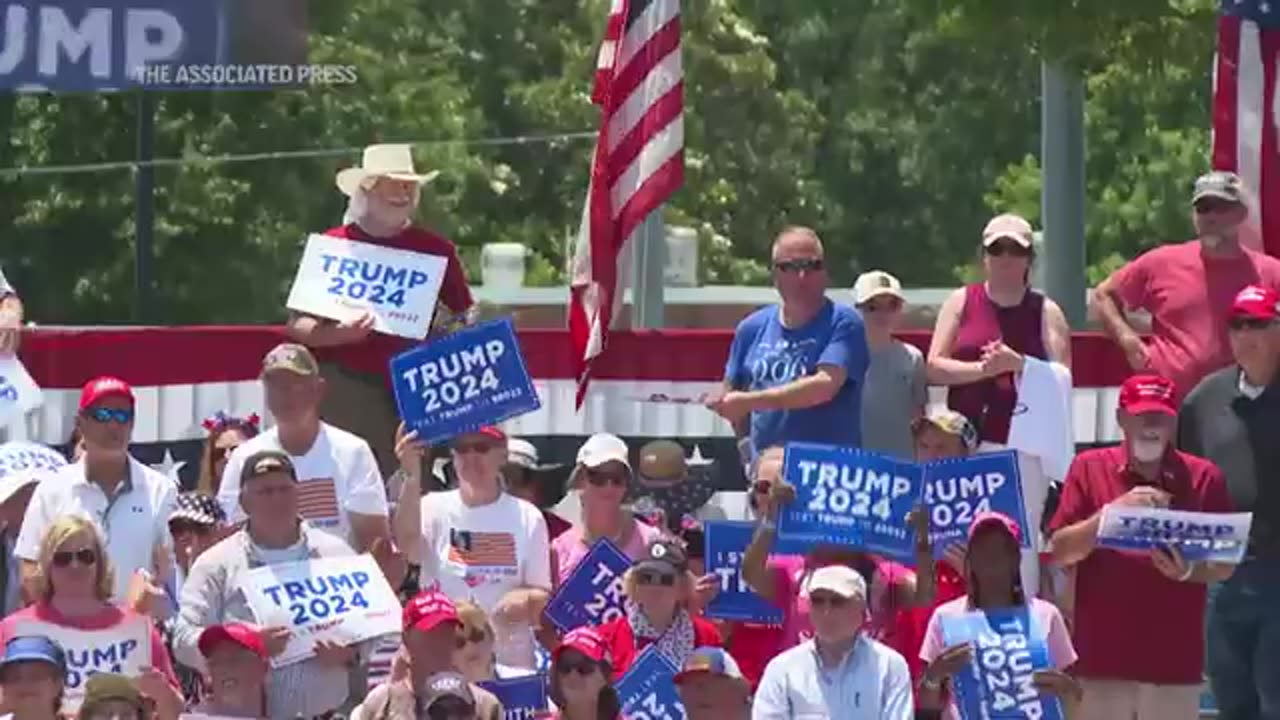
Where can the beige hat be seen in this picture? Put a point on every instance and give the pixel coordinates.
(291, 357)
(1014, 227)
(875, 283)
(393, 161)
(839, 579)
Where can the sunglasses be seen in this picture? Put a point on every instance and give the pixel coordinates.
(649, 577)
(882, 306)
(1206, 207)
(107, 415)
(63, 558)
(1013, 249)
(801, 265)
(601, 479)
(582, 667)
(1248, 323)
(475, 637)
(831, 601)
(473, 447)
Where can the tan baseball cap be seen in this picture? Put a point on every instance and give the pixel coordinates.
(1014, 227)
(875, 283)
(291, 357)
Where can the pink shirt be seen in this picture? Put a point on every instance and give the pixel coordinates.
(882, 606)
(570, 547)
(1045, 617)
(1189, 297)
(109, 617)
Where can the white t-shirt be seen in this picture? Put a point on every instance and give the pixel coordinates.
(338, 475)
(482, 553)
(134, 522)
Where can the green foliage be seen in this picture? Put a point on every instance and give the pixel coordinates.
(893, 127)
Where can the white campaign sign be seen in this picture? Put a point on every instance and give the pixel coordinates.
(124, 649)
(341, 279)
(343, 600)
(19, 394)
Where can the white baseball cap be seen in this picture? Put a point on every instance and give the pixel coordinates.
(875, 283)
(602, 448)
(839, 579)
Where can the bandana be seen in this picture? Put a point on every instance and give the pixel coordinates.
(676, 643)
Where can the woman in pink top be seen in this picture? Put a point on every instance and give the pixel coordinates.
(995, 583)
(601, 477)
(73, 591)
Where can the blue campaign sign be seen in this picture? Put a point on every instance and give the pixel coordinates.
(850, 497)
(463, 381)
(592, 594)
(1198, 536)
(100, 45)
(648, 690)
(522, 698)
(956, 490)
(1008, 647)
(725, 544)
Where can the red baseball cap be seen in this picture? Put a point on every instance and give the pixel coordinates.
(1148, 394)
(237, 633)
(997, 520)
(585, 640)
(1256, 302)
(428, 609)
(492, 432)
(104, 387)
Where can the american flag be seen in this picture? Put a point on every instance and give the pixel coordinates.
(1246, 116)
(638, 162)
(317, 500)
(487, 549)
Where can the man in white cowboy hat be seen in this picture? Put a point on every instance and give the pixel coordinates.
(383, 194)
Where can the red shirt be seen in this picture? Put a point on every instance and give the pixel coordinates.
(1131, 622)
(372, 355)
(753, 645)
(1188, 296)
(624, 647)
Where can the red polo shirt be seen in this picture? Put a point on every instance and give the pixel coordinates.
(372, 355)
(1131, 622)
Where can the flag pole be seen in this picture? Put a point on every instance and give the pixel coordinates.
(649, 246)
(1062, 190)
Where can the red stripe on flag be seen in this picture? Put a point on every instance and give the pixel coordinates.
(1269, 193)
(1225, 95)
(317, 500)
(659, 45)
(668, 109)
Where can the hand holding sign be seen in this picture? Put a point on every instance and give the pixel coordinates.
(1144, 496)
(353, 330)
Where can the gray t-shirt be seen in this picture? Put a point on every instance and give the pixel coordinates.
(894, 392)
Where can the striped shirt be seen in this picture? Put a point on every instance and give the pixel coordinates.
(213, 595)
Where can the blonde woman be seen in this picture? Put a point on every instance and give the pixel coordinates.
(659, 589)
(474, 656)
(73, 587)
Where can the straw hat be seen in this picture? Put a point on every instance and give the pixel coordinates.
(393, 161)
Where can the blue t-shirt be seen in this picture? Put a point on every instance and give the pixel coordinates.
(765, 354)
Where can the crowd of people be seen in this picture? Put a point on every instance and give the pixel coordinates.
(478, 541)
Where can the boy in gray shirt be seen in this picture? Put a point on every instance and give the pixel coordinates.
(895, 392)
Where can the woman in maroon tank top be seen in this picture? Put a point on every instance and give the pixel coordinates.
(985, 329)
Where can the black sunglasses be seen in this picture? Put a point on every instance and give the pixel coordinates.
(998, 248)
(1204, 207)
(599, 478)
(87, 556)
(582, 667)
(475, 637)
(122, 416)
(1248, 323)
(649, 577)
(803, 264)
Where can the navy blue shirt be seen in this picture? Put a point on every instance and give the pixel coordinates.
(765, 354)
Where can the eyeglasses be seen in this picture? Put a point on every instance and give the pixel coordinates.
(122, 416)
(476, 636)
(649, 577)
(1212, 205)
(799, 265)
(473, 447)
(582, 667)
(85, 556)
(1013, 249)
(604, 478)
(1248, 323)
(832, 601)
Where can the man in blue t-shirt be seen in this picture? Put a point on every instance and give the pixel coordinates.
(796, 369)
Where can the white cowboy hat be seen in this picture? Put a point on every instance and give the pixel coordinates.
(393, 161)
